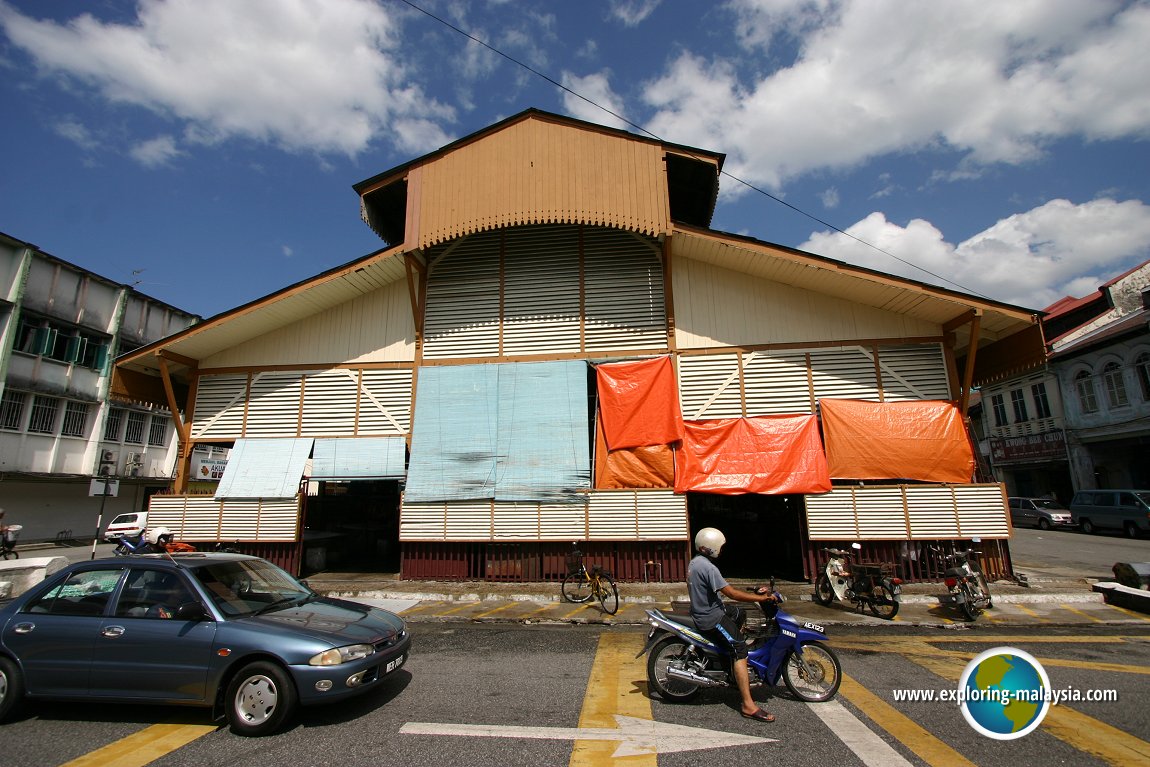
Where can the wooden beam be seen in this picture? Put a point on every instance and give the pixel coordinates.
(188, 362)
(182, 430)
(971, 354)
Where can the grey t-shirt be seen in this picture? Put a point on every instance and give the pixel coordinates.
(704, 581)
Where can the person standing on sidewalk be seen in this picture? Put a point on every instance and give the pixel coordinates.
(705, 584)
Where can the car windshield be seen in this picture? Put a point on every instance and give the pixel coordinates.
(1045, 503)
(1144, 497)
(250, 586)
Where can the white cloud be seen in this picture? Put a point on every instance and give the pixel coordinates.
(156, 152)
(633, 12)
(595, 88)
(1030, 259)
(77, 133)
(830, 197)
(306, 75)
(995, 81)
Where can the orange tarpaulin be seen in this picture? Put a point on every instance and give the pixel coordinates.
(772, 455)
(647, 466)
(639, 403)
(923, 440)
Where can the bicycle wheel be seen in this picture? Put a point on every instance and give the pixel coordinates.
(576, 587)
(11, 554)
(608, 593)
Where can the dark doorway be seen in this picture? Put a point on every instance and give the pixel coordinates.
(764, 533)
(353, 527)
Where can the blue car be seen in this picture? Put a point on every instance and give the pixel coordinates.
(228, 631)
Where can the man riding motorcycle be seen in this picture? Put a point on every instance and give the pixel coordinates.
(705, 584)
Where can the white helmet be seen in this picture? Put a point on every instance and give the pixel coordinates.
(156, 533)
(709, 541)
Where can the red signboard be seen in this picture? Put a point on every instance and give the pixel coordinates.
(1048, 445)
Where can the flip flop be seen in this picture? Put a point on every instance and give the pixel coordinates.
(760, 715)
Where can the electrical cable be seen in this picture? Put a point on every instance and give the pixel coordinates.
(640, 128)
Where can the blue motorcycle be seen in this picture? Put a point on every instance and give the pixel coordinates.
(682, 661)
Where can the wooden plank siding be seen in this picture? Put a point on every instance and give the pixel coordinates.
(538, 172)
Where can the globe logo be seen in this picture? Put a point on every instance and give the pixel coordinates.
(1004, 693)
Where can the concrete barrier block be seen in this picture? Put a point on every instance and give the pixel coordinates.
(1136, 575)
(23, 574)
(1123, 596)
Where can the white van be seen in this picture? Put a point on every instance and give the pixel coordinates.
(126, 524)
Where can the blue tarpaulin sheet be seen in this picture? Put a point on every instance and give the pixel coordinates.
(359, 458)
(511, 432)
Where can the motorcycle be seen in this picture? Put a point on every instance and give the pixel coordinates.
(151, 541)
(682, 661)
(861, 585)
(965, 582)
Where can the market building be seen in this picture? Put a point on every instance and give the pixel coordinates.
(554, 346)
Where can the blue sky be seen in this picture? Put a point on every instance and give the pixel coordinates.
(205, 150)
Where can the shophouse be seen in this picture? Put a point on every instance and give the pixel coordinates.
(60, 328)
(554, 346)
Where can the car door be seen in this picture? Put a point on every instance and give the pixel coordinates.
(143, 651)
(54, 634)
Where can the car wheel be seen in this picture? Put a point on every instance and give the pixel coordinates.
(260, 699)
(1087, 526)
(11, 687)
(1131, 530)
(1043, 524)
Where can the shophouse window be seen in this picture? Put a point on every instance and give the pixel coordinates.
(134, 434)
(62, 342)
(1142, 366)
(1041, 402)
(75, 419)
(999, 408)
(1084, 385)
(43, 419)
(12, 410)
(1018, 402)
(114, 425)
(158, 431)
(1115, 386)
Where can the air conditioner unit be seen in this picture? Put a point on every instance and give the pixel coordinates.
(134, 471)
(135, 459)
(105, 470)
(107, 456)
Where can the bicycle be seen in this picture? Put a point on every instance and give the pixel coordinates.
(8, 536)
(581, 585)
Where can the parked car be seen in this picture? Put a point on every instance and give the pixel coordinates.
(1125, 510)
(229, 631)
(130, 525)
(1043, 513)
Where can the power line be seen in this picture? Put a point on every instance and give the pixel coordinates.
(642, 129)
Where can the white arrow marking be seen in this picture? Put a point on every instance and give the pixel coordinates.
(635, 736)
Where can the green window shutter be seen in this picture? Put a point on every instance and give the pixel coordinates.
(100, 361)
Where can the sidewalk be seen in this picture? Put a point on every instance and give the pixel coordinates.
(1055, 599)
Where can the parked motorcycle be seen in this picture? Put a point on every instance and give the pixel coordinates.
(965, 582)
(158, 540)
(861, 585)
(682, 661)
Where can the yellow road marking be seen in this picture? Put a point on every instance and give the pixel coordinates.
(422, 606)
(1081, 732)
(1031, 613)
(463, 606)
(1085, 615)
(579, 608)
(904, 729)
(617, 685)
(494, 610)
(143, 747)
(1131, 613)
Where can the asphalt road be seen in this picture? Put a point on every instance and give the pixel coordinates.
(1069, 553)
(541, 686)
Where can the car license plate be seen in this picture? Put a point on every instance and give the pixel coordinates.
(395, 663)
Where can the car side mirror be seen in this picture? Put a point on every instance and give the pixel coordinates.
(191, 611)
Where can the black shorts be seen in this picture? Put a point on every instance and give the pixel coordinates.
(727, 635)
